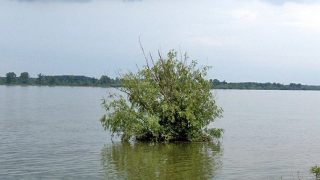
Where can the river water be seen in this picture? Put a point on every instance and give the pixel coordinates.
(55, 133)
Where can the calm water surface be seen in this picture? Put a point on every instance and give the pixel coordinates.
(55, 133)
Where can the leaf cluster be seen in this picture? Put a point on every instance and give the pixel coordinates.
(167, 100)
(315, 170)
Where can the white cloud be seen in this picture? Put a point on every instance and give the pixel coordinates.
(303, 16)
(247, 14)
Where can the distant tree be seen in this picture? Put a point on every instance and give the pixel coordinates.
(24, 77)
(94, 81)
(299, 86)
(294, 86)
(10, 78)
(167, 100)
(216, 82)
(71, 79)
(40, 79)
(105, 80)
(52, 80)
(2, 80)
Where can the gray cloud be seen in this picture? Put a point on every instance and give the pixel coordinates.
(274, 2)
(242, 40)
(54, 0)
(79, 1)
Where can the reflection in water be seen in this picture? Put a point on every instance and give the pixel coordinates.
(125, 160)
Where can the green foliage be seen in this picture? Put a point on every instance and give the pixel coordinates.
(10, 78)
(52, 80)
(24, 77)
(105, 81)
(2, 80)
(216, 84)
(40, 79)
(167, 100)
(59, 80)
(315, 171)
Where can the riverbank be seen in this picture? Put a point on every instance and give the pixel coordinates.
(105, 81)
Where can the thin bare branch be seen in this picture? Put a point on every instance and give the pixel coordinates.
(144, 54)
(151, 57)
(159, 53)
(155, 77)
(137, 67)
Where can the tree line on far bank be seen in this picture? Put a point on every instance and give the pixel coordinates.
(58, 80)
(216, 84)
(104, 81)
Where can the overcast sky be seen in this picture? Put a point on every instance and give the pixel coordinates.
(247, 40)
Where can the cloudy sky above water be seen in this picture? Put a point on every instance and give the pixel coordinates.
(248, 40)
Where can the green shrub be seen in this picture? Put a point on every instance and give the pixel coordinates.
(315, 171)
(168, 100)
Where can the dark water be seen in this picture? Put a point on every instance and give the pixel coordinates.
(55, 133)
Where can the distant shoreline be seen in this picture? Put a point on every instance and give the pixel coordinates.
(230, 86)
(105, 81)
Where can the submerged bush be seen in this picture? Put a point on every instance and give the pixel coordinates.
(167, 100)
